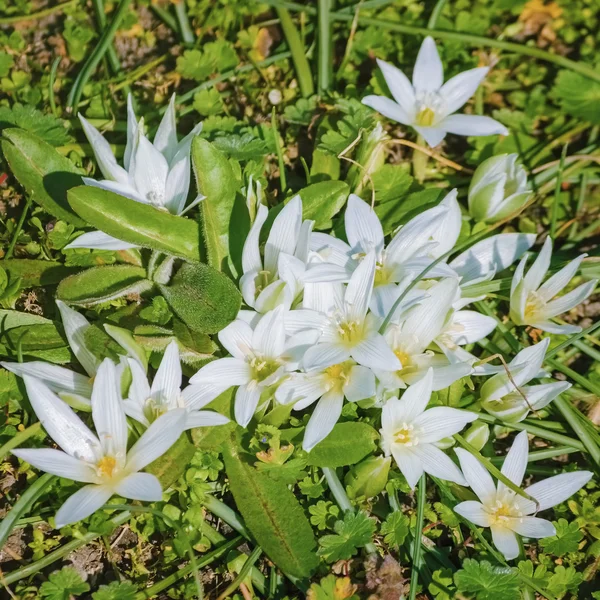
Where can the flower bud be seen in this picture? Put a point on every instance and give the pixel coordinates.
(369, 477)
(478, 434)
(498, 189)
(254, 197)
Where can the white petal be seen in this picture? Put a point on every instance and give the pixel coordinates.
(251, 260)
(246, 401)
(324, 355)
(440, 422)
(126, 190)
(331, 250)
(268, 337)
(540, 266)
(177, 184)
(304, 237)
(57, 378)
(57, 463)
(165, 140)
(360, 384)
(75, 325)
(506, 541)
(532, 527)
(151, 171)
(476, 474)
(104, 156)
(276, 294)
(304, 320)
(135, 411)
(493, 254)
(363, 228)
(139, 390)
(570, 300)
(469, 327)
(326, 272)
(448, 228)
(551, 327)
(428, 74)
(515, 462)
(400, 87)
(302, 389)
(230, 370)
(432, 135)
(410, 465)
(283, 236)
(559, 280)
(157, 439)
(554, 490)
(132, 127)
(167, 381)
(457, 90)
(375, 353)
(198, 396)
(237, 338)
(417, 397)
(360, 287)
(204, 418)
(140, 486)
(388, 108)
(325, 416)
(472, 125)
(445, 376)
(82, 504)
(98, 240)
(61, 422)
(107, 410)
(323, 297)
(437, 463)
(474, 512)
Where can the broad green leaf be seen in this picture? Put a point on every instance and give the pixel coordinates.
(271, 512)
(204, 299)
(325, 166)
(34, 273)
(100, 284)
(578, 96)
(321, 201)
(14, 318)
(347, 444)
(171, 465)
(43, 172)
(137, 223)
(211, 438)
(485, 581)
(35, 337)
(216, 181)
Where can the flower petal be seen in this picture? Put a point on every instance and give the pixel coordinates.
(177, 185)
(469, 326)
(230, 370)
(98, 240)
(165, 140)
(58, 463)
(540, 266)
(399, 86)
(150, 172)
(322, 356)
(360, 384)
(360, 288)
(82, 504)
(388, 108)
(324, 417)
(432, 135)
(140, 486)
(375, 353)
(302, 389)
(363, 228)
(474, 512)
(532, 527)
(268, 337)
(476, 474)
(246, 401)
(458, 89)
(283, 236)
(205, 418)
(559, 280)
(428, 74)
(472, 125)
(167, 381)
(570, 300)
(437, 463)
(506, 541)
(198, 396)
(156, 440)
(440, 422)
(251, 259)
(515, 462)
(410, 465)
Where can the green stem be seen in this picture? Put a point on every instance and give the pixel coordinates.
(455, 36)
(22, 505)
(303, 72)
(38, 15)
(235, 584)
(324, 45)
(419, 161)
(435, 14)
(185, 29)
(51, 80)
(566, 410)
(540, 454)
(221, 510)
(164, 15)
(19, 438)
(587, 331)
(557, 188)
(61, 552)
(17, 231)
(92, 62)
(417, 541)
(282, 178)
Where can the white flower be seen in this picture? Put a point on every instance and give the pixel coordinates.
(329, 385)
(260, 357)
(74, 388)
(344, 326)
(412, 334)
(498, 188)
(101, 460)
(410, 433)
(504, 511)
(277, 280)
(413, 248)
(531, 302)
(145, 404)
(428, 103)
(499, 396)
(155, 173)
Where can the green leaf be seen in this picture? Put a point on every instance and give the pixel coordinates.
(137, 223)
(35, 337)
(355, 531)
(271, 512)
(347, 444)
(208, 102)
(323, 200)
(101, 284)
(578, 96)
(487, 582)
(216, 181)
(35, 273)
(333, 588)
(116, 590)
(172, 465)
(43, 172)
(567, 538)
(395, 529)
(211, 438)
(46, 127)
(63, 585)
(204, 299)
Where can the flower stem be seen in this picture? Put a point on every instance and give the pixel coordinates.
(559, 180)
(235, 584)
(419, 161)
(17, 231)
(19, 438)
(38, 15)
(282, 178)
(183, 22)
(221, 510)
(325, 58)
(417, 543)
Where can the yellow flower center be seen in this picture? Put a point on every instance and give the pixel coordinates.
(335, 371)
(426, 117)
(533, 305)
(263, 368)
(106, 466)
(350, 331)
(403, 357)
(502, 511)
(406, 435)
